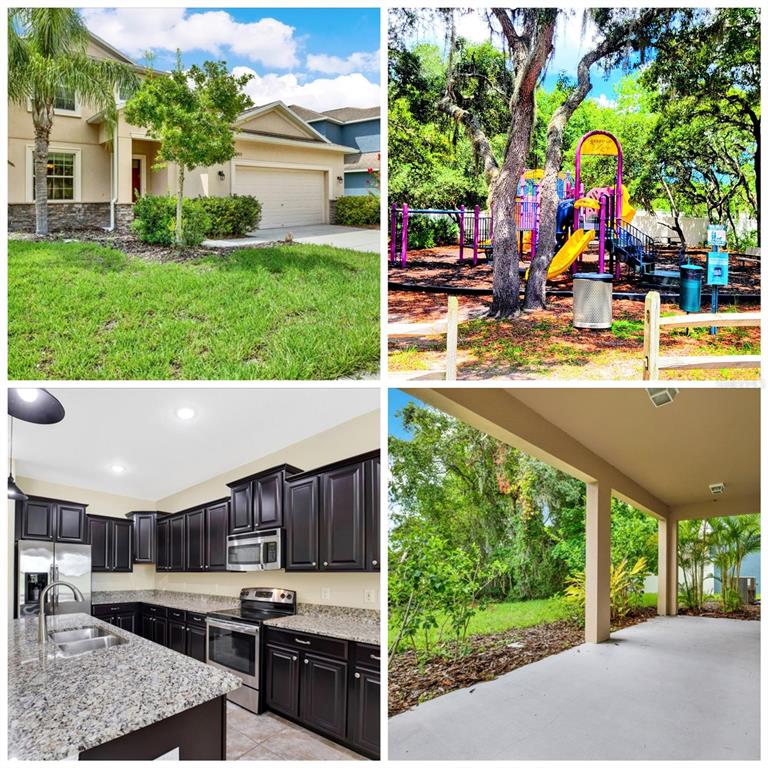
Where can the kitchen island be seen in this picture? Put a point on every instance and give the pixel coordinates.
(136, 700)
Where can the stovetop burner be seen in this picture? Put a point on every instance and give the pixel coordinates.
(258, 604)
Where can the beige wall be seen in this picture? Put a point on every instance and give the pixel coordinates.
(274, 122)
(356, 436)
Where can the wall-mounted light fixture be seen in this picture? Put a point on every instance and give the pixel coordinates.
(221, 176)
(339, 179)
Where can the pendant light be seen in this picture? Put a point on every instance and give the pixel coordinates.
(14, 492)
(36, 405)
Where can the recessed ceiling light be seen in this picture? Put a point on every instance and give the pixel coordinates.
(662, 395)
(28, 395)
(118, 469)
(185, 414)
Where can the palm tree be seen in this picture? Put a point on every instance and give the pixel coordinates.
(732, 539)
(48, 55)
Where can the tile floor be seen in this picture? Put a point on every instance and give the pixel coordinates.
(269, 737)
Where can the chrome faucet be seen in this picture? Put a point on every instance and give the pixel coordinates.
(42, 621)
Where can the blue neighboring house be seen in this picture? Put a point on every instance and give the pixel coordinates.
(351, 127)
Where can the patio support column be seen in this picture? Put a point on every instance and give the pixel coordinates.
(597, 624)
(667, 596)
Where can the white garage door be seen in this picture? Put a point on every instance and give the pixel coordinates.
(288, 198)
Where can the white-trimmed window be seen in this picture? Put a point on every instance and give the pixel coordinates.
(63, 174)
(65, 103)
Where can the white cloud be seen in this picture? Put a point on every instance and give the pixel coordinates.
(335, 65)
(352, 90)
(603, 101)
(134, 31)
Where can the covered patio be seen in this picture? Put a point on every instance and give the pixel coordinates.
(674, 688)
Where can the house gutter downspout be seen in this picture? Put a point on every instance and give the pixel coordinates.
(113, 201)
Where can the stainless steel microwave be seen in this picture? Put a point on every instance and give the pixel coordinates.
(258, 551)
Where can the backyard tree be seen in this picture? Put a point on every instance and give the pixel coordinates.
(621, 32)
(191, 113)
(48, 63)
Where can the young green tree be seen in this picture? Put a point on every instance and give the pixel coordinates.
(191, 113)
(47, 58)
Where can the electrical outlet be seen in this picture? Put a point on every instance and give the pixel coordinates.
(369, 596)
(325, 593)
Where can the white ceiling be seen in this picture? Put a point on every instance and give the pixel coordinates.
(707, 435)
(138, 429)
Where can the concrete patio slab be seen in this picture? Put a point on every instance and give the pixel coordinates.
(354, 238)
(673, 688)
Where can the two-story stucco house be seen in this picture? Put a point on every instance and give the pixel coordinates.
(95, 172)
(352, 127)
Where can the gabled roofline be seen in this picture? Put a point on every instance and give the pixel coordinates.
(325, 118)
(283, 109)
(111, 48)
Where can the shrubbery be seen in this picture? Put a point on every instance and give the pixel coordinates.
(429, 231)
(358, 210)
(155, 218)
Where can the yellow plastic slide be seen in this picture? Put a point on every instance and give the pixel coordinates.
(627, 211)
(572, 248)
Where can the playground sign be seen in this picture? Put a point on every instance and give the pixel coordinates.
(717, 268)
(716, 235)
(599, 144)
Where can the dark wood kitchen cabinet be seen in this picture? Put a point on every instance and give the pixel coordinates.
(145, 535)
(206, 537)
(196, 642)
(256, 501)
(323, 694)
(177, 636)
(123, 615)
(163, 544)
(111, 541)
(51, 520)
(282, 680)
(154, 625)
(302, 503)
(326, 684)
(332, 517)
(177, 543)
(373, 514)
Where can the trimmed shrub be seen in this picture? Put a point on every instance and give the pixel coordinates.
(429, 231)
(231, 216)
(155, 218)
(358, 210)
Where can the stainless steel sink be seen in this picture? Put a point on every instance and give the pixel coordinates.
(79, 647)
(72, 635)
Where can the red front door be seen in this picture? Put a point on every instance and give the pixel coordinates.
(135, 178)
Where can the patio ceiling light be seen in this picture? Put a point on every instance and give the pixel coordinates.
(662, 396)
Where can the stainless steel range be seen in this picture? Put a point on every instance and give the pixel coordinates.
(233, 638)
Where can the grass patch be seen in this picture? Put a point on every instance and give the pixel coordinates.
(84, 311)
(499, 617)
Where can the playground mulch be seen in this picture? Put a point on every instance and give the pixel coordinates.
(546, 345)
(440, 267)
(413, 680)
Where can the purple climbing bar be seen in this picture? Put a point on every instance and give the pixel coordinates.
(476, 238)
(393, 234)
(404, 236)
(461, 233)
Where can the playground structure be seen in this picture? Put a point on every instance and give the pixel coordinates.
(601, 213)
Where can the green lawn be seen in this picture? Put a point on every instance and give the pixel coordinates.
(499, 617)
(84, 311)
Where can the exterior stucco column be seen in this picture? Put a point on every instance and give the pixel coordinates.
(667, 596)
(124, 174)
(597, 625)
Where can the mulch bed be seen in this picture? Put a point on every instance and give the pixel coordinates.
(436, 267)
(712, 611)
(490, 656)
(129, 244)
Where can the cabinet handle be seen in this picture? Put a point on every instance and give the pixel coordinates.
(375, 562)
(306, 661)
(302, 642)
(375, 657)
(314, 563)
(294, 658)
(325, 563)
(357, 675)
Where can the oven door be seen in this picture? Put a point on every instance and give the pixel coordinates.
(234, 647)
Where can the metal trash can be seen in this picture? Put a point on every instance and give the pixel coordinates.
(592, 300)
(690, 287)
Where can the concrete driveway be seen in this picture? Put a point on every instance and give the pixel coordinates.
(673, 688)
(354, 238)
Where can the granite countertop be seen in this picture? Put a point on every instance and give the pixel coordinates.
(181, 601)
(356, 624)
(59, 707)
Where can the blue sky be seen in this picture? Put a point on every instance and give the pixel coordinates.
(397, 399)
(321, 58)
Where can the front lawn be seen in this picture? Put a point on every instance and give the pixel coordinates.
(84, 311)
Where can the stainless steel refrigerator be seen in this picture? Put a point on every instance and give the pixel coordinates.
(38, 563)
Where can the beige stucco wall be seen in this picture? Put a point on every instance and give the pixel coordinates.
(273, 122)
(346, 589)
